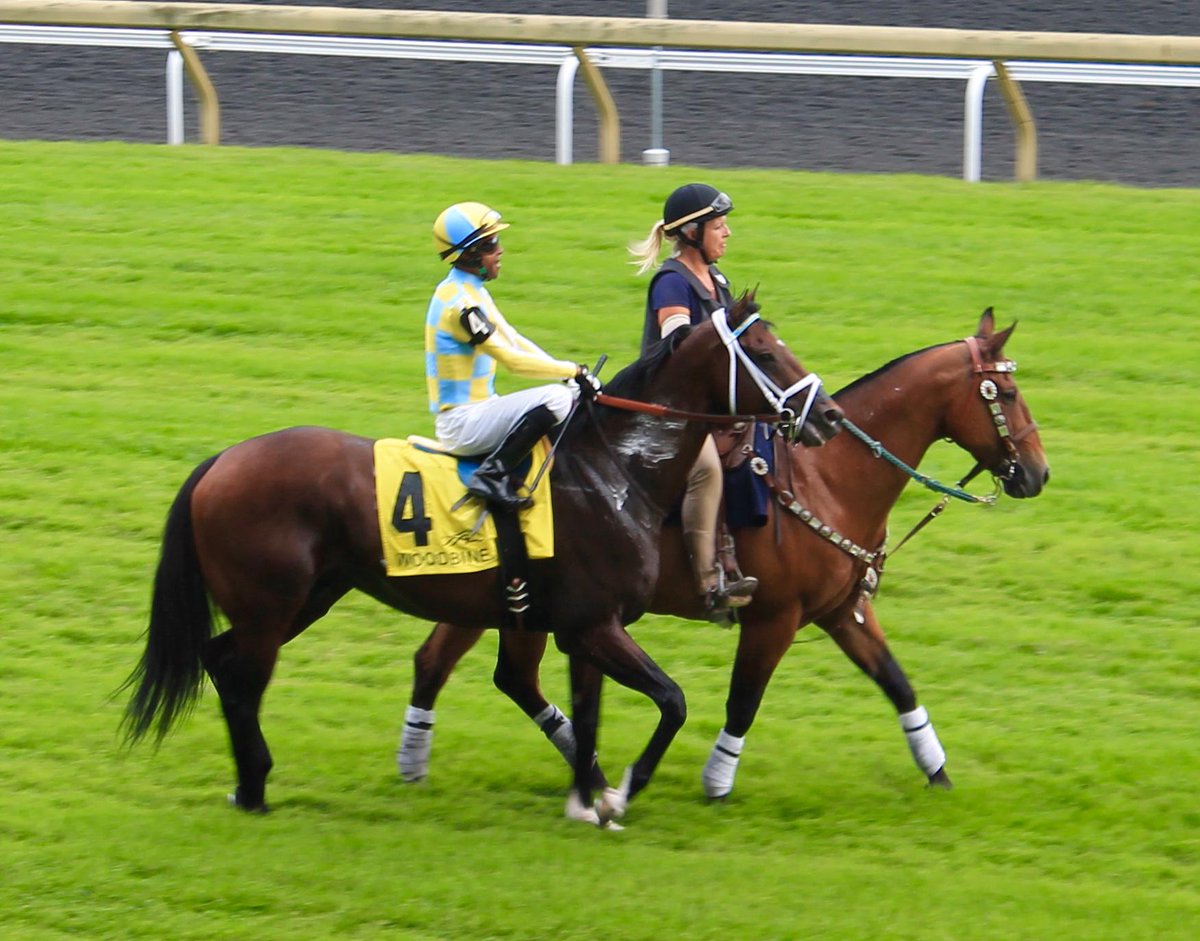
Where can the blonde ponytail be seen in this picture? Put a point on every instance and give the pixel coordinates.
(645, 253)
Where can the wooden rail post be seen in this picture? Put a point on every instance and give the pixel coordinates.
(1023, 124)
(606, 108)
(206, 93)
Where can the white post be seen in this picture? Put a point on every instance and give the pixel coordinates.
(973, 124)
(656, 155)
(564, 110)
(174, 97)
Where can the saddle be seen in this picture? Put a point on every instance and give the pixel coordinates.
(427, 526)
(735, 444)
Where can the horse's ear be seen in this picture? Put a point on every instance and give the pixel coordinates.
(987, 323)
(996, 343)
(745, 305)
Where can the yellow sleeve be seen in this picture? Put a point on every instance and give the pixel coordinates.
(522, 357)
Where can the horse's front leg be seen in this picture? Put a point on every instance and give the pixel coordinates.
(518, 676)
(861, 638)
(611, 650)
(763, 641)
(586, 684)
(432, 665)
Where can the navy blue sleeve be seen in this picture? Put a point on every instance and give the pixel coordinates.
(670, 290)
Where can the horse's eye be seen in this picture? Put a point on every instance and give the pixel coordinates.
(763, 358)
(1009, 395)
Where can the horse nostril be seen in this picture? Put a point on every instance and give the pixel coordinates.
(1046, 477)
(834, 415)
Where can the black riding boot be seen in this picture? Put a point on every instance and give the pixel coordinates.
(491, 482)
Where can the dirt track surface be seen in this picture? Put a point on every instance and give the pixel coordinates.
(1130, 134)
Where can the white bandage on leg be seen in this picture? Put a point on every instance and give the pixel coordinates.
(721, 767)
(923, 742)
(557, 727)
(412, 756)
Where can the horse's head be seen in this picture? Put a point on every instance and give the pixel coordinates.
(992, 421)
(764, 375)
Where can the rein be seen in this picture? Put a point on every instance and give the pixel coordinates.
(880, 451)
(786, 418)
(665, 411)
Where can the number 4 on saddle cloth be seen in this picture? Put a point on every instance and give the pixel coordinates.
(416, 485)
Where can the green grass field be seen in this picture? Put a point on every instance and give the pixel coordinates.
(159, 304)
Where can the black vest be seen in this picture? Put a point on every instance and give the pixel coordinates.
(652, 332)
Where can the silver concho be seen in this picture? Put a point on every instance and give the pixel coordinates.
(758, 465)
(988, 390)
(870, 580)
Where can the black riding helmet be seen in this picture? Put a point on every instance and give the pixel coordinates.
(694, 202)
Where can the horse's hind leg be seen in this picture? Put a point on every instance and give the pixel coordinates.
(240, 671)
(863, 642)
(432, 665)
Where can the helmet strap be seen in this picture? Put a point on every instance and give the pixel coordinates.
(696, 243)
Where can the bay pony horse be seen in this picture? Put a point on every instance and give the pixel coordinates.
(820, 554)
(274, 530)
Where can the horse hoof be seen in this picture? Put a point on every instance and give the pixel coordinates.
(611, 806)
(940, 779)
(235, 801)
(615, 800)
(576, 810)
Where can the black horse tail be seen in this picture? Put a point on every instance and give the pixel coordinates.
(170, 675)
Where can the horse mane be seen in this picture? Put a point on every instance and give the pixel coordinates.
(863, 380)
(638, 373)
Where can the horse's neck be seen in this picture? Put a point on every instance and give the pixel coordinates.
(642, 461)
(904, 408)
(650, 456)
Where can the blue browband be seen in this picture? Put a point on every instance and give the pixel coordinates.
(744, 324)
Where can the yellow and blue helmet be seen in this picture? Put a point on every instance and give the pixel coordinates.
(462, 225)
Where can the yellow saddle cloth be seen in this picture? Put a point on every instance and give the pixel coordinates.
(416, 484)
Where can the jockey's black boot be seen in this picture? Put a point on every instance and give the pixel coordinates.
(491, 482)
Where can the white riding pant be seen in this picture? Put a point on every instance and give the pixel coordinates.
(479, 427)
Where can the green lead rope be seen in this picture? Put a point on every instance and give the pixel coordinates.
(880, 451)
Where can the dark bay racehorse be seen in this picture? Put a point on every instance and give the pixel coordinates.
(274, 530)
(963, 391)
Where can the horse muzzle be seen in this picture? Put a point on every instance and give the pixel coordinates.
(1021, 481)
(823, 423)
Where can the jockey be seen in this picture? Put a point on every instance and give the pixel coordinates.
(465, 336)
(687, 288)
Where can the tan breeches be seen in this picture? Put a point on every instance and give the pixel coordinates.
(701, 504)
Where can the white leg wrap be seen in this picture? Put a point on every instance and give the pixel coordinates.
(721, 767)
(577, 811)
(923, 742)
(611, 806)
(412, 756)
(557, 727)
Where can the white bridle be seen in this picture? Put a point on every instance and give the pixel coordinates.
(771, 392)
